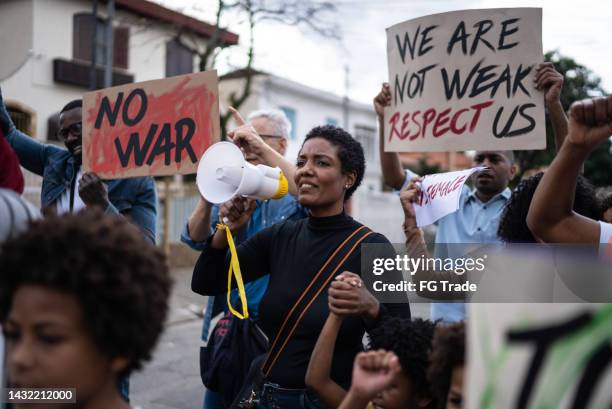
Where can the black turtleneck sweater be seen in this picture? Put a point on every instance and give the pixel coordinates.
(292, 252)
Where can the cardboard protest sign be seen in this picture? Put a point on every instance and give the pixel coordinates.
(539, 356)
(464, 80)
(155, 128)
(440, 195)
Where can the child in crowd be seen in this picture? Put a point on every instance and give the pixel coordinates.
(406, 386)
(83, 300)
(446, 368)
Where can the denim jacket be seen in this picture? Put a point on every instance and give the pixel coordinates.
(136, 196)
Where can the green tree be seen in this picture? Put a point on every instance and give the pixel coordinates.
(580, 82)
(424, 168)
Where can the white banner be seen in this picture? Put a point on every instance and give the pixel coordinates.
(440, 195)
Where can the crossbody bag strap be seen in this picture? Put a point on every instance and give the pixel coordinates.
(316, 286)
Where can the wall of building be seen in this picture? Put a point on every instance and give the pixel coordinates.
(42, 30)
(51, 25)
(252, 103)
(312, 107)
(16, 25)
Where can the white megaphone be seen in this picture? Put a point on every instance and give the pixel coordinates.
(223, 173)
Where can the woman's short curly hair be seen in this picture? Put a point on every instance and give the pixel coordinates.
(513, 223)
(410, 340)
(120, 280)
(448, 353)
(350, 152)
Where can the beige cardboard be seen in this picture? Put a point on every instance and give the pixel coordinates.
(175, 108)
(424, 89)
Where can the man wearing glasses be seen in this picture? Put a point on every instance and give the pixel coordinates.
(66, 188)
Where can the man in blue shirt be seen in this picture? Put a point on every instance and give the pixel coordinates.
(477, 219)
(274, 128)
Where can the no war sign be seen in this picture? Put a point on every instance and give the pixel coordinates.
(464, 80)
(153, 128)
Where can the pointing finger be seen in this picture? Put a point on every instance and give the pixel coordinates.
(237, 117)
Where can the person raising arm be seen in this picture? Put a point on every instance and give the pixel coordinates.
(551, 218)
(247, 138)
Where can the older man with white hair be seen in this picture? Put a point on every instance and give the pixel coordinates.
(274, 128)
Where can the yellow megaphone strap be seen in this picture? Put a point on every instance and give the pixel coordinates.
(235, 269)
(283, 187)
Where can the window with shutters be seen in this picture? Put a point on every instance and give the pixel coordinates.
(121, 47)
(179, 59)
(23, 116)
(82, 37)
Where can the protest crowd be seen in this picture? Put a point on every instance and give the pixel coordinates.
(84, 291)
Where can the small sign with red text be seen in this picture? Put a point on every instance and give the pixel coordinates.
(440, 195)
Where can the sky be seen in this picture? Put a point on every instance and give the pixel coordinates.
(581, 30)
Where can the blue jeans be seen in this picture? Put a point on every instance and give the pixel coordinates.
(275, 397)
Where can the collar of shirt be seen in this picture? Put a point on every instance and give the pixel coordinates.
(504, 194)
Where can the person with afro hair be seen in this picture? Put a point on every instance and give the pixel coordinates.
(446, 368)
(83, 300)
(407, 341)
(513, 223)
(393, 374)
(329, 167)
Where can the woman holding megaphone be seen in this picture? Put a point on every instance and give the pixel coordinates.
(303, 257)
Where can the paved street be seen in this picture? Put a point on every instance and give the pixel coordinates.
(172, 379)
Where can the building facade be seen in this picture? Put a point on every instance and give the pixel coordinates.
(306, 108)
(48, 46)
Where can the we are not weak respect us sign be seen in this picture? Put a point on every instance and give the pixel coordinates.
(464, 80)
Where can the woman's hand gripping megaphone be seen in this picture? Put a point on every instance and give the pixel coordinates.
(246, 137)
(236, 213)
